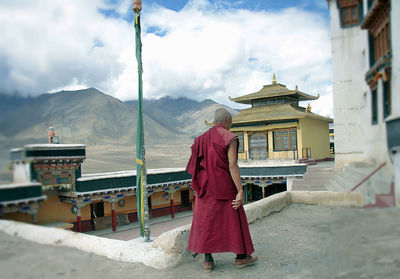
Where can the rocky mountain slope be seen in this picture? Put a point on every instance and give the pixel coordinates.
(89, 116)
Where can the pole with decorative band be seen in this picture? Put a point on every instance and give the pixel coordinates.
(141, 175)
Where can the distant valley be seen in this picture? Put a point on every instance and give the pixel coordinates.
(106, 125)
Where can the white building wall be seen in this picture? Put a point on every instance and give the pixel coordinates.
(350, 98)
(395, 36)
(356, 139)
(22, 172)
(395, 86)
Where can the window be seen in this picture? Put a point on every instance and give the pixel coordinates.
(259, 103)
(350, 15)
(377, 24)
(386, 99)
(285, 140)
(269, 101)
(258, 146)
(381, 42)
(280, 100)
(350, 12)
(374, 101)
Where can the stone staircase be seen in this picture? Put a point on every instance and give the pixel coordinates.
(377, 190)
(317, 177)
(377, 186)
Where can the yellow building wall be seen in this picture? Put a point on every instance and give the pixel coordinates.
(299, 143)
(129, 207)
(53, 210)
(270, 145)
(315, 135)
(18, 216)
(246, 145)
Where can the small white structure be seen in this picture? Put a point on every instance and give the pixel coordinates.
(366, 87)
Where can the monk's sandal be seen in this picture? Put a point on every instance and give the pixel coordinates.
(249, 260)
(208, 266)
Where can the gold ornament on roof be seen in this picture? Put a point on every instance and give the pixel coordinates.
(273, 79)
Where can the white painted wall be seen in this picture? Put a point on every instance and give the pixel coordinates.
(395, 34)
(395, 90)
(356, 139)
(349, 88)
(22, 172)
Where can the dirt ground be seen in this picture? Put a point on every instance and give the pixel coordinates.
(298, 242)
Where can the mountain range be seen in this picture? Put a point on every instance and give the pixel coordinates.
(92, 117)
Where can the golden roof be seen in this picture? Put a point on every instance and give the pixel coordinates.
(275, 112)
(274, 90)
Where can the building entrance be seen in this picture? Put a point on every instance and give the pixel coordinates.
(185, 201)
(96, 211)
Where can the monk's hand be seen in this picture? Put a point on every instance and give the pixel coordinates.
(236, 203)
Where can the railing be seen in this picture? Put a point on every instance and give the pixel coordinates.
(368, 176)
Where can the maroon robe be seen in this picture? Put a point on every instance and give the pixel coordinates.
(216, 226)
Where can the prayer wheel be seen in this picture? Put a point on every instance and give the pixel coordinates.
(137, 6)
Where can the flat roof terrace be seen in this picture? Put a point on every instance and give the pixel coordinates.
(126, 180)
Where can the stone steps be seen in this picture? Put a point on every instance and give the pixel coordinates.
(352, 175)
(375, 190)
(315, 179)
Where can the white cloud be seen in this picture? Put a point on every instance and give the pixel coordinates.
(203, 51)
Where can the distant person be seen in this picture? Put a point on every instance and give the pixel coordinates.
(219, 221)
(51, 135)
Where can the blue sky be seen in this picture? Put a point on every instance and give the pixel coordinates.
(198, 49)
(319, 6)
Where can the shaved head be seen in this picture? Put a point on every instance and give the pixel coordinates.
(221, 115)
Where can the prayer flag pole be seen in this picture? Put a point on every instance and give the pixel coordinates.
(141, 174)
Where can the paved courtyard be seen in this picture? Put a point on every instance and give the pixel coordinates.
(299, 242)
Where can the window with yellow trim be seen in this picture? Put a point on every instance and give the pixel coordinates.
(285, 140)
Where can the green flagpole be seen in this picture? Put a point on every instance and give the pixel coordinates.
(141, 175)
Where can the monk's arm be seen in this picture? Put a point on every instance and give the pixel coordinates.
(235, 173)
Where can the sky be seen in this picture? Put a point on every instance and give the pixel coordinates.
(199, 49)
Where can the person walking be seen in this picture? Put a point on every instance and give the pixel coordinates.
(219, 220)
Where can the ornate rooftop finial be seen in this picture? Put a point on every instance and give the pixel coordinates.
(273, 79)
(297, 89)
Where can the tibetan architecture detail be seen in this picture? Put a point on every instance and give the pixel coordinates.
(52, 191)
(21, 198)
(366, 95)
(276, 127)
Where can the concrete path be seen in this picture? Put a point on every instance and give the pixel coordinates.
(301, 241)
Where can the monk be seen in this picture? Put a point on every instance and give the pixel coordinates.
(219, 220)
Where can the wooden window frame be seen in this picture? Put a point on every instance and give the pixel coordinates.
(291, 146)
(351, 20)
(350, 7)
